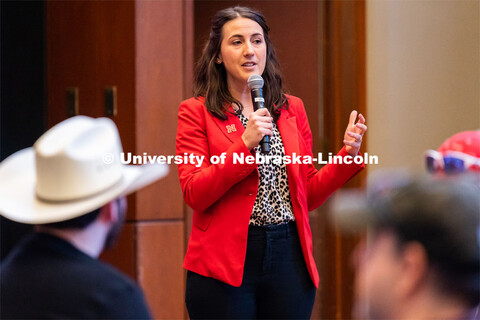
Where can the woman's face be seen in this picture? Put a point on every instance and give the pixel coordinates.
(243, 50)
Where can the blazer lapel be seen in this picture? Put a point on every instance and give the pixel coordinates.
(287, 126)
(232, 127)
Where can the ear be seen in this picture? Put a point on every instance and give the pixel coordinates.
(358, 253)
(414, 269)
(219, 59)
(109, 213)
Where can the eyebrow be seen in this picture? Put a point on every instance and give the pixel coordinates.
(241, 36)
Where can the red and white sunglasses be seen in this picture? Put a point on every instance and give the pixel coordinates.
(451, 162)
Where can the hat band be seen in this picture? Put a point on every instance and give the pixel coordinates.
(82, 198)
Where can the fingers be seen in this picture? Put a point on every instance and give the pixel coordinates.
(358, 127)
(264, 129)
(262, 112)
(362, 127)
(353, 117)
(262, 121)
(354, 133)
(260, 124)
(361, 118)
(356, 136)
(354, 144)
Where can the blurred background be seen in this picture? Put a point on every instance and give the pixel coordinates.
(411, 67)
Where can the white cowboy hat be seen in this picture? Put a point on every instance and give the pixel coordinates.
(72, 169)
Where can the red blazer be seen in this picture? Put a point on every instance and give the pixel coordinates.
(222, 195)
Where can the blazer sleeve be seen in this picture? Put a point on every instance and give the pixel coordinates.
(322, 183)
(203, 185)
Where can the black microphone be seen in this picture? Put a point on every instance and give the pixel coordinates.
(255, 83)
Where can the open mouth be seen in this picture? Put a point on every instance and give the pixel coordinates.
(249, 64)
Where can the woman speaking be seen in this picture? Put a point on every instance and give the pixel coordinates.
(250, 251)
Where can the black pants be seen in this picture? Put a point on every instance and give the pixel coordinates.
(276, 283)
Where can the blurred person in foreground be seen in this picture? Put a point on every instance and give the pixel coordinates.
(458, 154)
(72, 187)
(421, 260)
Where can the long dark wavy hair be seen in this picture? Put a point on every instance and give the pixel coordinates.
(210, 78)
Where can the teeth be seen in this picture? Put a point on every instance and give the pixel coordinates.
(248, 64)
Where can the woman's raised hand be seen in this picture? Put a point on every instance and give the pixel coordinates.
(354, 133)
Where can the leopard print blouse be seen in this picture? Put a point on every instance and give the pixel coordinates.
(273, 204)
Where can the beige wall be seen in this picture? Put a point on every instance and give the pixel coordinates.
(423, 76)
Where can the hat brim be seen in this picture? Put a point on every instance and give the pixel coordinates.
(18, 200)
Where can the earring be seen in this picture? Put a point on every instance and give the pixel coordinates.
(218, 60)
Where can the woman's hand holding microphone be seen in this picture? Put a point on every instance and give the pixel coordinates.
(260, 124)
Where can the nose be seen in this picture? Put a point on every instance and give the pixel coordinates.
(248, 49)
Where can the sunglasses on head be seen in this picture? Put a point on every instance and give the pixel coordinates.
(451, 162)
